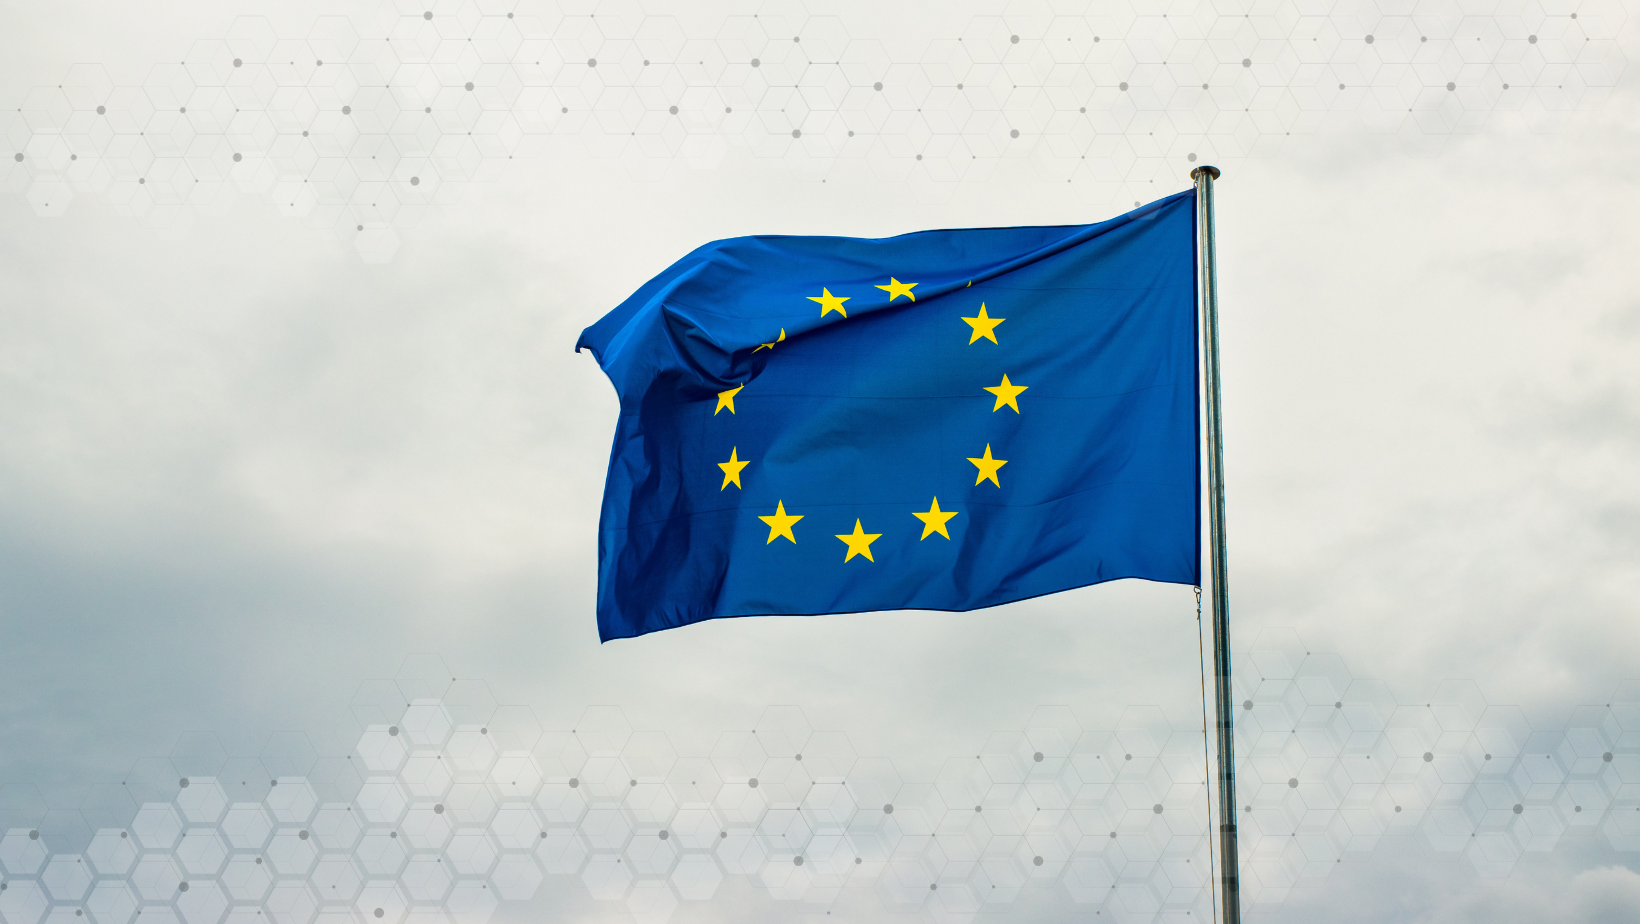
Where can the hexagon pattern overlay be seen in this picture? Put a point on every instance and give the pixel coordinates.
(362, 129)
(451, 804)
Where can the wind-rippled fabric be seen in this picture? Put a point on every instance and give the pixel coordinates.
(944, 420)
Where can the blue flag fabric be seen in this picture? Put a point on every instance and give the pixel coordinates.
(944, 420)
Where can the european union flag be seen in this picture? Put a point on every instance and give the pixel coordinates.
(943, 420)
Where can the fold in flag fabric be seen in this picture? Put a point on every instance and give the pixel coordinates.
(943, 420)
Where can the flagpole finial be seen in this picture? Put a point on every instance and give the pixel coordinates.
(1212, 172)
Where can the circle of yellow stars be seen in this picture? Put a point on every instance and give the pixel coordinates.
(934, 520)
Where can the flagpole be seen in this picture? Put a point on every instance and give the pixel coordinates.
(1207, 284)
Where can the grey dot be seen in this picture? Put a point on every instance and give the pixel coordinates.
(17, 157)
(1036, 861)
(1607, 757)
(1083, 109)
(799, 758)
(1292, 783)
(426, 15)
(1096, 40)
(392, 729)
(302, 834)
(183, 110)
(1428, 757)
(752, 782)
(1015, 134)
(415, 181)
(1577, 808)
(877, 86)
(1122, 85)
(563, 109)
(888, 809)
(797, 861)
(1192, 158)
(347, 110)
(34, 835)
(797, 38)
(722, 834)
(123, 835)
(1246, 62)
(438, 809)
(756, 63)
(304, 134)
(427, 109)
(1488, 756)
(858, 861)
(183, 886)
(1157, 808)
(797, 133)
(1013, 39)
(1423, 38)
(1451, 86)
(378, 912)
(469, 84)
(393, 834)
(1397, 808)
(1531, 39)
(183, 782)
(101, 110)
(1518, 808)
(674, 110)
(959, 86)
(919, 157)
(1128, 756)
(238, 157)
(976, 808)
(851, 134)
(318, 64)
(1204, 86)
(238, 63)
(1506, 86)
(1369, 40)
(73, 157)
(1037, 757)
(573, 782)
(592, 62)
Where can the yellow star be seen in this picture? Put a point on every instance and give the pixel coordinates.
(896, 288)
(1006, 393)
(859, 542)
(984, 325)
(770, 346)
(731, 469)
(987, 467)
(781, 523)
(934, 520)
(829, 303)
(726, 399)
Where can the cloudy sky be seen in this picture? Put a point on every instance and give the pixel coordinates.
(243, 471)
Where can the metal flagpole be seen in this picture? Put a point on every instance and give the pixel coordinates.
(1207, 284)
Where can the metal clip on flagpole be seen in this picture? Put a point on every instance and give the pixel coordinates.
(1207, 285)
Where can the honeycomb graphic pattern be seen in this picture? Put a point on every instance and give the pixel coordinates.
(364, 129)
(451, 804)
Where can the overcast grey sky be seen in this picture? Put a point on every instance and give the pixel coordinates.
(243, 471)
